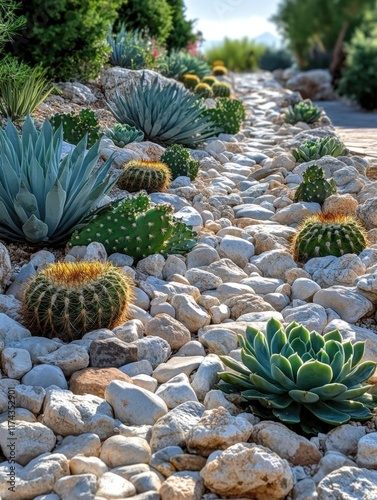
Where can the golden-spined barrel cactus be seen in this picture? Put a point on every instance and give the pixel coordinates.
(69, 299)
(190, 81)
(204, 90)
(152, 176)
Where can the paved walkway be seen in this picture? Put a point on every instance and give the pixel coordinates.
(356, 128)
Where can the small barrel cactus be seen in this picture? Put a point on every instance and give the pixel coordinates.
(302, 112)
(315, 188)
(135, 228)
(218, 62)
(123, 134)
(328, 234)
(152, 176)
(221, 89)
(313, 150)
(69, 299)
(203, 90)
(219, 71)
(178, 159)
(209, 80)
(190, 81)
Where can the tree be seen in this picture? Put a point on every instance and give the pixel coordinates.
(182, 29)
(10, 22)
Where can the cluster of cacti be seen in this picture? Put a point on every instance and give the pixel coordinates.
(76, 126)
(203, 90)
(209, 80)
(221, 89)
(228, 115)
(179, 161)
(134, 228)
(315, 188)
(190, 81)
(121, 135)
(301, 377)
(302, 112)
(150, 176)
(328, 234)
(219, 71)
(313, 150)
(69, 299)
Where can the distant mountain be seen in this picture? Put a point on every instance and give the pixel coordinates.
(268, 39)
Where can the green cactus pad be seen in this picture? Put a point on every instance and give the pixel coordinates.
(315, 188)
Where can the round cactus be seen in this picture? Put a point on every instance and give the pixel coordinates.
(209, 80)
(203, 90)
(219, 71)
(328, 234)
(221, 89)
(218, 62)
(69, 299)
(179, 161)
(152, 176)
(190, 81)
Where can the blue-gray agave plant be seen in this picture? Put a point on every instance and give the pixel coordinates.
(43, 198)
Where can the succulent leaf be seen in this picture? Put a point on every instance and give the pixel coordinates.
(313, 150)
(302, 112)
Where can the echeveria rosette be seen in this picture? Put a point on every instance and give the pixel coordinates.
(302, 112)
(313, 150)
(301, 377)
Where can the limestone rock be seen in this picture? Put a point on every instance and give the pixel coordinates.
(348, 482)
(95, 380)
(367, 451)
(189, 313)
(274, 264)
(122, 450)
(169, 329)
(185, 485)
(349, 304)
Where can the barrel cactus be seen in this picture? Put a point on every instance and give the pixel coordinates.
(190, 81)
(301, 377)
(152, 176)
(221, 89)
(179, 161)
(69, 299)
(313, 150)
(315, 188)
(302, 112)
(219, 71)
(209, 80)
(122, 134)
(203, 90)
(328, 234)
(134, 228)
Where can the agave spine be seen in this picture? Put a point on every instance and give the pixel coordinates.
(152, 176)
(315, 188)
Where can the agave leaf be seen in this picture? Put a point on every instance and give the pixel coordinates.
(273, 325)
(35, 230)
(313, 374)
(353, 393)
(263, 385)
(360, 374)
(288, 415)
(303, 396)
(55, 201)
(328, 414)
(333, 335)
(353, 409)
(329, 391)
(358, 352)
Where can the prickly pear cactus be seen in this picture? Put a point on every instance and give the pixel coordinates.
(221, 89)
(151, 176)
(178, 159)
(315, 188)
(69, 299)
(328, 234)
(190, 81)
(203, 90)
(134, 228)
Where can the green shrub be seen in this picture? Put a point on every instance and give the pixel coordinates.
(358, 79)
(76, 126)
(44, 198)
(67, 37)
(237, 55)
(228, 115)
(178, 64)
(273, 58)
(315, 188)
(181, 33)
(10, 22)
(166, 114)
(178, 159)
(301, 378)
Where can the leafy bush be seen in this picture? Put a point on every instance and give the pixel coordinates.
(178, 64)
(302, 112)
(301, 378)
(313, 150)
(273, 58)
(181, 33)
(10, 22)
(43, 198)
(178, 159)
(358, 79)
(237, 55)
(315, 188)
(121, 135)
(66, 37)
(166, 114)
(228, 115)
(76, 126)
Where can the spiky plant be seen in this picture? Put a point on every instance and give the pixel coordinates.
(190, 81)
(209, 80)
(134, 228)
(44, 198)
(121, 135)
(219, 71)
(228, 115)
(302, 112)
(128, 49)
(76, 126)
(328, 234)
(218, 62)
(203, 90)
(178, 159)
(69, 299)
(315, 188)
(152, 176)
(221, 89)
(313, 150)
(301, 378)
(177, 64)
(166, 114)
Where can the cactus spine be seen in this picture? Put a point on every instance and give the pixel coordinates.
(221, 89)
(219, 71)
(203, 90)
(69, 299)
(328, 234)
(209, 80)
(152, 176)
(315, 188)
(190, 81)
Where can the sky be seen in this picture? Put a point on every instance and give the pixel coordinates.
(232, 18)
